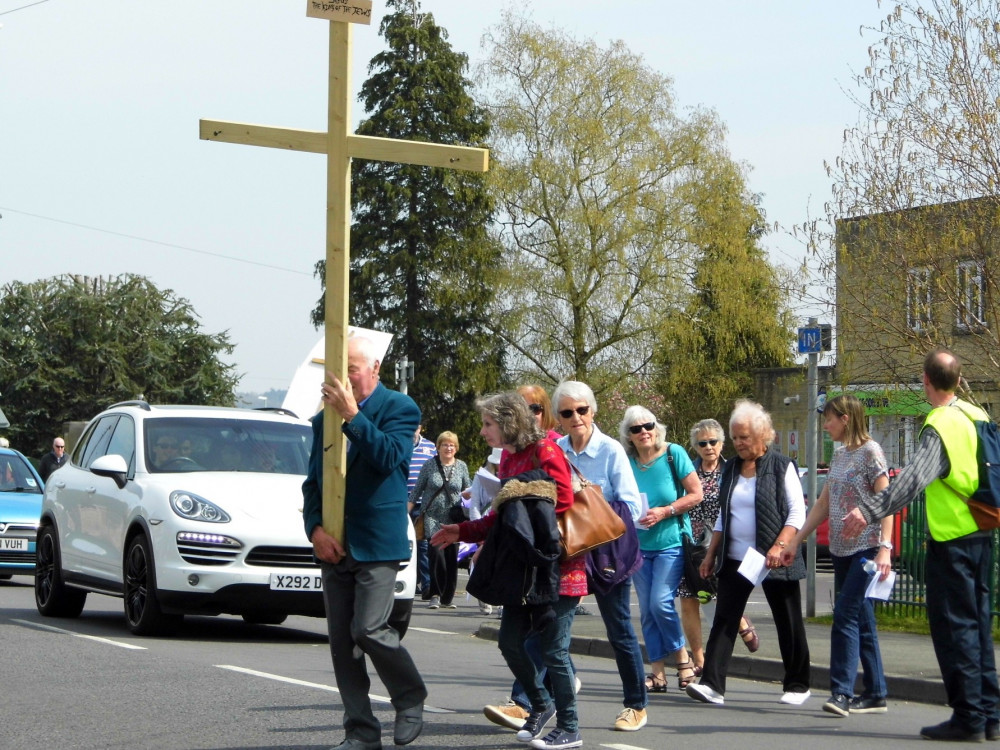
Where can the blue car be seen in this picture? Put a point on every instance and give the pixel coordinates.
(20, 508)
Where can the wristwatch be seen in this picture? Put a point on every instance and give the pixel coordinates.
(886, 544)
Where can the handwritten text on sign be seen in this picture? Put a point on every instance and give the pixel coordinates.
(351, 11)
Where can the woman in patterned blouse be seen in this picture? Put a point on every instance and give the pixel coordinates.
(707, 439)
(858, 469)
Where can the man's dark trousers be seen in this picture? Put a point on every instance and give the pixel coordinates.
(359, 599)
(958, 609)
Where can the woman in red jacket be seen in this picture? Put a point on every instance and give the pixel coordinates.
(508, 424)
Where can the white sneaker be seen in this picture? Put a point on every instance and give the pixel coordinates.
(485, 609)
(704, 693)
(795, 699)
(435, 603)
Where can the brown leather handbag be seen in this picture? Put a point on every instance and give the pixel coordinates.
(589, 522)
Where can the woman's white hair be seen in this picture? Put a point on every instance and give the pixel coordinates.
(574, 390)
(710, 426)
(752, 414)
(640, 415)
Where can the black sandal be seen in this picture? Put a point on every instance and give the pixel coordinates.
(684, 680)
(655, 684)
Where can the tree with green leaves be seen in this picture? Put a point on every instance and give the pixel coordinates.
(422, 261)
(71, 346)
(596, 175)
(736, 317)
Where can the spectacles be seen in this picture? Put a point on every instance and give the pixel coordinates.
(166, 445)
(536, 408)
(567, 413)
(637, 428)
(703, 443)
(58, 446)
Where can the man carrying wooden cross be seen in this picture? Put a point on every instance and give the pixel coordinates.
(359, 575)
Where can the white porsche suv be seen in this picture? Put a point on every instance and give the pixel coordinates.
(186, 510)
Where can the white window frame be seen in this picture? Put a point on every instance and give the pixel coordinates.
(969, 310)
(918, 295)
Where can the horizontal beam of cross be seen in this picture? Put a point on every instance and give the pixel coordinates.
(468, 158)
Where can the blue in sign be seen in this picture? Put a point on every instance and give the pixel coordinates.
(810, 341)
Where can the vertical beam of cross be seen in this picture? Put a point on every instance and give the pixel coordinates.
(340, 146)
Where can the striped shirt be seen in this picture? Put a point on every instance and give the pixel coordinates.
(423, 451)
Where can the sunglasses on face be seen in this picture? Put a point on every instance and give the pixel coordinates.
(703, 443)
(637, 428)
(567, 413)
(536, 408)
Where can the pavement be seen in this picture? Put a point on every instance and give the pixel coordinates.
(909, 663)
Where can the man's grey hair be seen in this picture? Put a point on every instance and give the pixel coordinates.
(367, 348)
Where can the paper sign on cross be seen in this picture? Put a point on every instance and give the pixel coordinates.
(340, 146)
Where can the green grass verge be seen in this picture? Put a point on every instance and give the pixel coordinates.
(890, 622)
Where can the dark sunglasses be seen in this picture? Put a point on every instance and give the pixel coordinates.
(536, 408)
(637, 428)
(703, 443)
(567, 413)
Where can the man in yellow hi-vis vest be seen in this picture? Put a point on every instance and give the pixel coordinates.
(944, 466)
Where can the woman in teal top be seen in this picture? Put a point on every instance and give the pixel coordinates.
(667, 479)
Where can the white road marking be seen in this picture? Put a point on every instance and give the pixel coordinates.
(623, 747)
(317, 685)
(433, 631)
(120, 644)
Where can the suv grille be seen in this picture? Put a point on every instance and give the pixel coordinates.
(282, 557)
(207, 549)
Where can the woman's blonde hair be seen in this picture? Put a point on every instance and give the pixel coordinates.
(535, 394)
(856, 429)
(448, 435)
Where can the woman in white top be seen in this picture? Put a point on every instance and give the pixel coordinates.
(761, 509)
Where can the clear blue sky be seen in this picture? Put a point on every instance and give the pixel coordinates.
(100, 102)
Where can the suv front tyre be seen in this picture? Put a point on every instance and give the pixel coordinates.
(142, 608)
(53, 597)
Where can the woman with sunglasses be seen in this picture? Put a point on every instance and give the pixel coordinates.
(707, 439)
(602, 460)
(666, 476)
(541, 408)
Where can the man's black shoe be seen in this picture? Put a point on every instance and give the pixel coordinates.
(948, 732)
(993, 730)
(409, 723)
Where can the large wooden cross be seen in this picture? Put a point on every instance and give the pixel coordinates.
(340, 146)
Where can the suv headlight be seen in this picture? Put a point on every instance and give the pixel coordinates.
(194, 508)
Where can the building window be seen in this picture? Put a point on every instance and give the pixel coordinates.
(969, 310)
(918, 298)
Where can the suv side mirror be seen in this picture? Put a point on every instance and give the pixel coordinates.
(112, 466)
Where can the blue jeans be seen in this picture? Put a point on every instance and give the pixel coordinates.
(533, 645)
(854, 633)
(554, 640)
(423, 567)
(616, 612)
(656, 584)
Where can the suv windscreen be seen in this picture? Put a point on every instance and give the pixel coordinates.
(191, 444)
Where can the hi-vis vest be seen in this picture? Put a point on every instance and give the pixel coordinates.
(948, 515)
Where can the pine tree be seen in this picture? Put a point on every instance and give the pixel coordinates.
(422, 260)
